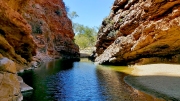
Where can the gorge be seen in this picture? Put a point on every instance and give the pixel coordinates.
(37, 31)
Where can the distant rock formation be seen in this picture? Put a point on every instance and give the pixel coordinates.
(137, 30)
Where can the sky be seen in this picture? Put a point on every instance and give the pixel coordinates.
(90, 12)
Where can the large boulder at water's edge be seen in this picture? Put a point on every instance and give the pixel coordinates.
(9, 84)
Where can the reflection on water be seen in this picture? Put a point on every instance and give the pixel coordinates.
(79, 81)
(117, 90)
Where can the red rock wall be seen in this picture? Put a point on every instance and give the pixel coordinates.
(27, 25)
(137, 29)
(51, 28)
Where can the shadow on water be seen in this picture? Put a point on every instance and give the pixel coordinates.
(37, 79)
(79, 81)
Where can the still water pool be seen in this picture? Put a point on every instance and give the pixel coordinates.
(79, 81)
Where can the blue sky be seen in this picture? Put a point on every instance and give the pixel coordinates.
(90, 12)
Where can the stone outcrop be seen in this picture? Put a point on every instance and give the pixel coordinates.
(140, 29)
(9, 84)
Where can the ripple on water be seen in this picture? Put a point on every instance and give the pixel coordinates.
(81, 82)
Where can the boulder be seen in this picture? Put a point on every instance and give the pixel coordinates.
(7, 65)
(9, 84)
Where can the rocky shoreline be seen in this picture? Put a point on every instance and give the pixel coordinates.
(9, 84)
(24, 87)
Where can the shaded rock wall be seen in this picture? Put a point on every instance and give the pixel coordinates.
(137, 29)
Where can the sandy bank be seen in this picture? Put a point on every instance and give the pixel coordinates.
(160, 80)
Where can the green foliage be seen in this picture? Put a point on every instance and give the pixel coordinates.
(111, 22)
(72, 15)
(112, 33)
(37, 29)
(106, 20)
(85, 36)
(120, 20)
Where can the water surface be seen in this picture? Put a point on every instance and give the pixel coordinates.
(79, 81)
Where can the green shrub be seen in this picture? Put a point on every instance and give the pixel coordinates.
(37, 29)
(112, 33)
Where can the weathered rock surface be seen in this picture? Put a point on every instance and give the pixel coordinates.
(137, 29)
(27, 25)
(9, 84)
(51, 28)
(16, 42)
(23, 86)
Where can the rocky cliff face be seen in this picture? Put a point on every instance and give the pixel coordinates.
(16, 42)
(140, 29)
(51, 28)
(30, 28)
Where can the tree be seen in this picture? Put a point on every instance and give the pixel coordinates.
(72, 15)
(85, 36)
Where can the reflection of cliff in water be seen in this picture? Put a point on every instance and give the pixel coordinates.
(37, 79)
(59, 64)
(62, 80)
(112, 84)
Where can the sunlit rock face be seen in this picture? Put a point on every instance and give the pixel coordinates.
(51, 28)
(10, 87)
(137, 29)
(16, 41)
